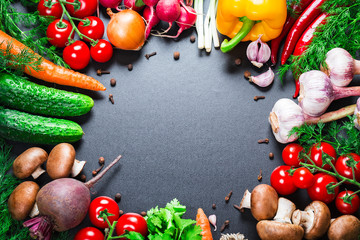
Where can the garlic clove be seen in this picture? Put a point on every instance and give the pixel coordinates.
(357, 114)
(252, 51)
(264, 79)
(316, 92)
(284, 116)
(212, 220)
(264, 52)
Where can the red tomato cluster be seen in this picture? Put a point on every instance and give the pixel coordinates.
(128, 221)
(60, 32)
(286, 179)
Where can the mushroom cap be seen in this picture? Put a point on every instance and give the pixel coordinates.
(346, 227)
(22, 200)
(27, 162)
(270, 230)
(322, 218)
(264, 202)
(60, 161)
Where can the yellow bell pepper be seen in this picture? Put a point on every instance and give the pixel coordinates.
(244, 20)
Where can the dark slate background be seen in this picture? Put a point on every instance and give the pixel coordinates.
(187, 129)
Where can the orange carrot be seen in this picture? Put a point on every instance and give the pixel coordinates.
(49, 71)
(203, 222)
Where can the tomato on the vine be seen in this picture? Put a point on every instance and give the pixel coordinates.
(92, 27)
(319, 191)
(58, 32)
(343, 165)
(50, 8)
(85, 9)
(346, 208)
(282, 181)
(89, 233)
(290, 154)
(316, 154)
(303, 178)
(102, 51)
(131, 222)
(77, 55)
(100, 204)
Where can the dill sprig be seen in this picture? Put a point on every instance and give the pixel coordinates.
(34, 35)
(9, 228)
(342, 29)
(342, 135)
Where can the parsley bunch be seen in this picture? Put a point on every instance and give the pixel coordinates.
(167, 223)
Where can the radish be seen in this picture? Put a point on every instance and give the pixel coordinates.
(168, 11)
(110, 3)
(186, 19)
(151, 19)
(130, 4)
(63, 204)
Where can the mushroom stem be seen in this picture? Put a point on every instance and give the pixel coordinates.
(38, 171)
(245, 201)
(285, 210)
(77, 168)
(34, 211)
(304, 218)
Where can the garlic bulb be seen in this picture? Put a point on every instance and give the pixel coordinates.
(258, 56)
(341, 67)
(264, 79)
(316, 92)
(284, 116)
(357, 114)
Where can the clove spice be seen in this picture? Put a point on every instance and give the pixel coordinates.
(111, 98)
(192, 38)
(237, 207)
(118, 197)
(258, 97)
(130, 67)
(271, 155)
(266, 140)
(238, 61)
(112, 82)
(100, 72)
(149, 55)
(259, 178)
(176, 55)
(227, 198)
(213, 206)
(225, 225)
(247, 74)
(83, 178)
(101, 160)
(96, 171)
(143, 213)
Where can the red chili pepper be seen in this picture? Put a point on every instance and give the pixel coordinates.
(297, 9)
(303, 44)
(307, 17)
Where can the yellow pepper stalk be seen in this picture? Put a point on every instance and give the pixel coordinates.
(244, 20)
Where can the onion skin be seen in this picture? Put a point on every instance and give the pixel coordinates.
(126, 30)
(66, 201)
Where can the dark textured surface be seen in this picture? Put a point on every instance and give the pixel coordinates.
(187, 129)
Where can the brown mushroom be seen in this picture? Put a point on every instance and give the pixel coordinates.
(346, 227)
(315, 219)
(262, 201)
(29, 163)
(62, 163)
(22, 200)
(270, 230)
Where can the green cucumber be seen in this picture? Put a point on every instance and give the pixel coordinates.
(20, 94)
(25, 127)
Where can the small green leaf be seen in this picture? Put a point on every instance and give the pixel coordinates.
(139, 3)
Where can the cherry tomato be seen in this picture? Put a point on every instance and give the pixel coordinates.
(58, 32)
(290, 154)
(87, 8)
(50, 8)
(131, 222)
(318, 190)
(343, 168)
(102, 51)
(282, 181)
(93, 27)
(100, 204)
(316, 154)
(346, 208)
(303, 178)
(89, 233)
(77, 55)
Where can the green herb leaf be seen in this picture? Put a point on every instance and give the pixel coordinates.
(139, 3)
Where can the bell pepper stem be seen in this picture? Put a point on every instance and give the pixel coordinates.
(226, 45)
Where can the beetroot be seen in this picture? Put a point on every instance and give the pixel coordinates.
(63, 204)
(151, 19)
(168, 11)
